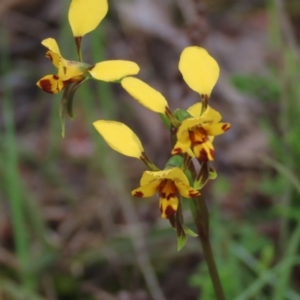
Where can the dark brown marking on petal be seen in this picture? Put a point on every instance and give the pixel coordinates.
(65, 70)
(169, 211)
(203, 155)
(177, 150)
(138, 194)
(193, 193)
(161, 209)
(46, 86)
(171, 195)
(198, 136)
(226, 126)
(48, 55)
(55, 77)
(212, 153)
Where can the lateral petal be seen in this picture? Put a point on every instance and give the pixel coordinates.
(216, 128)
(120, 138)
(51, 84)
(145, 94)
(186, 190)
(145, 191)
(112, 70)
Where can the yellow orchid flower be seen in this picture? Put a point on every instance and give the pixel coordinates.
(197, 132)
(199, 70)
(74, 71)
(168, 183)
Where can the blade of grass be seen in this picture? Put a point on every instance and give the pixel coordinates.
(12, 176)
(14, 291)
(272, 274)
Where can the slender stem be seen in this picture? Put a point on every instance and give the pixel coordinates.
(212, 268)
(78, 40)
(201, 219)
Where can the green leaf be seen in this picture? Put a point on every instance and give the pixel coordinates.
(212, 173)
(181, 114)
(189, 231)
(174, 161)
(181, 240)
(165, 120)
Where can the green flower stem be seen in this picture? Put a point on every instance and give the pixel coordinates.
(201, 219)
(146, 160)
(78, 40)
(204, 103)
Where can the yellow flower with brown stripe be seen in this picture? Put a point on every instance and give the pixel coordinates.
(198, 131)
(75, 71)
(169, 184)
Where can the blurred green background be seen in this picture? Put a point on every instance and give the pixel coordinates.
(69, 228)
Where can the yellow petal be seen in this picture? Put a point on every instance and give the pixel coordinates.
(195, 111)
(85, 15)
(53, 54)
(147, 190)
(120, 138)
(112, 70)
(173, 174)
(216, 128)
(186, 190)
(71, 70)
(204, 151)
(176, 174)
(51, 44)
(168, 206)
(145, 94)
(199, 70)
(185, 126)
(182, 145)
(51, 84)
(54, 57)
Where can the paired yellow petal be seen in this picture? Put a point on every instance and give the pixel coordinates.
(120, 138)
(145, 94)
(53, 54)
(199, 70)
(85, 15)
(210, 113)
(51, 44)
(186, 190)
(51, 84)
(182, 145)
(147, 190)
(216, 128)
(112, 70)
